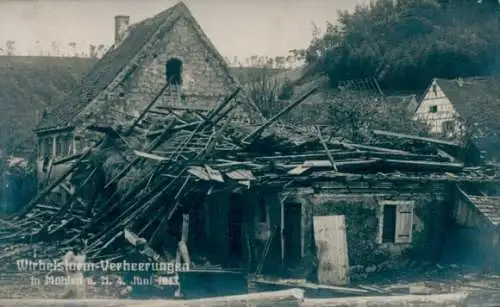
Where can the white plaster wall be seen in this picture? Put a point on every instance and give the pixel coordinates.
(445, 109)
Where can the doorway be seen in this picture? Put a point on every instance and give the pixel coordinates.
(292, 233)
(235, 230)
(173, 71)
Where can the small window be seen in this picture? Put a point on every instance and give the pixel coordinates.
(60, 146)
(389, 224)
(434, 89)
(433, 109)
(173, 71)
(47, 147)
(448, 127)
(396, 222)
(40, 148)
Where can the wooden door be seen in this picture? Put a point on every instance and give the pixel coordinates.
(331, 248)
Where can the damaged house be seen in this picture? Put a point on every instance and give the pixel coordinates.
(166, 58)
(159, 142)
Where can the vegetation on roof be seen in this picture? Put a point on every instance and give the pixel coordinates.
(407, 43)
(28, 85)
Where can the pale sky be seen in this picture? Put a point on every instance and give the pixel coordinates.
(239, 28)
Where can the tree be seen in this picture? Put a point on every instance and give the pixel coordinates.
(263, 88)
(73, 47)
(407, 43)
(93, 51)
(10, 46)
(39, 49)
(55, 48)
(352, 114)
(100, 50)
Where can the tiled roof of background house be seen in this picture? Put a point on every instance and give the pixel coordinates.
(477, 99)
(28, 85)
(115, 60)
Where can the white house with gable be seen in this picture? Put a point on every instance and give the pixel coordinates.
(448, 106)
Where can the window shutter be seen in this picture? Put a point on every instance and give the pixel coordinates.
(404, 223)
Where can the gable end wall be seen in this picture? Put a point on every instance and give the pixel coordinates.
(445, 109)
(205, 83)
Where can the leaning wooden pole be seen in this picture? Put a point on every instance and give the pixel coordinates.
(66, 205)
(157, 142)
(328, 153)
(54, 184)
(146, 110)
(280, 114)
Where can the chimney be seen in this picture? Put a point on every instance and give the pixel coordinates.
(121, 27)
(460, 82)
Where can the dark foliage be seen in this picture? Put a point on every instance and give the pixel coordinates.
(406, 43)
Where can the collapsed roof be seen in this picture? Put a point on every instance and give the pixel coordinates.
(164, 163)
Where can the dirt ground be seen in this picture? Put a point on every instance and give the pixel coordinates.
(15, 284)
(484, 289)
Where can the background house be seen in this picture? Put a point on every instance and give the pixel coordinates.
(454, 108)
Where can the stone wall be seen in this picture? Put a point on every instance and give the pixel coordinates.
(361, 210)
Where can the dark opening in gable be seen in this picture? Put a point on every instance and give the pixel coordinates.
(173, 71)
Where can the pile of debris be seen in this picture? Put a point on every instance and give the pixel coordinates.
(166, 161)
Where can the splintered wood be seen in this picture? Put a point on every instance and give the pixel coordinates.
(168, 159)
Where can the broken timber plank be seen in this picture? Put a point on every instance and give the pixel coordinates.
(303, 284)
(157, 142)
(149, 156)
(280, 114)
(55, 183)
(66, 205)
(323, 143)
(67, 159)
(452, 299)
(72, 194)
(341, 166)
(446, 155)
(417, 138)
(375, 148)
(425, 165)
(291, 298)
(145, 111)
(182, 251)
